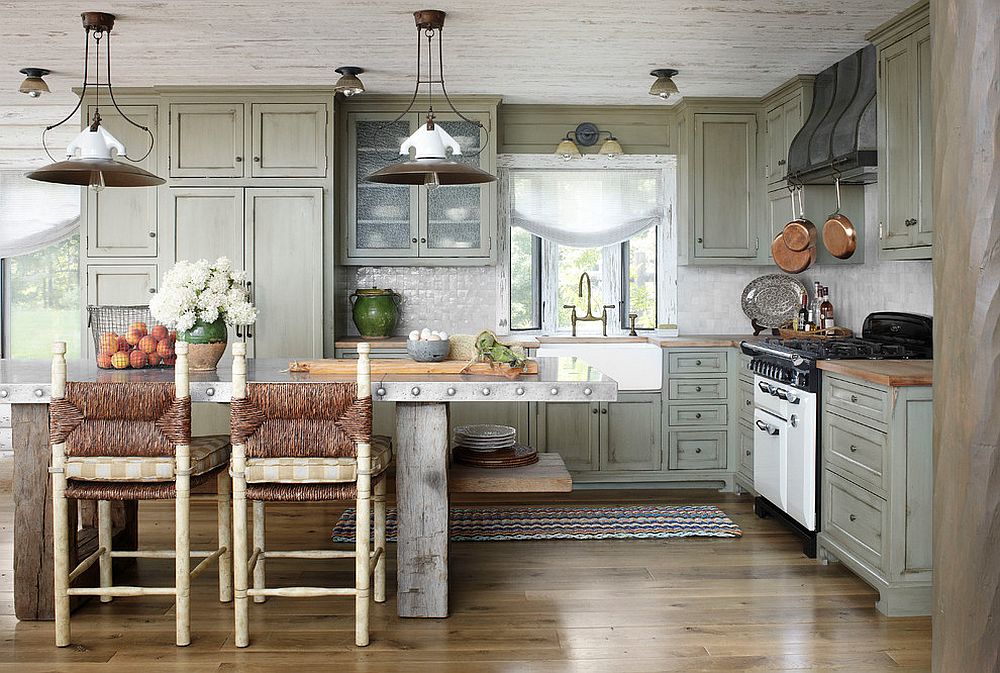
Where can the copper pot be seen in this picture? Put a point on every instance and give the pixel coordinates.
(788, 260)
(839, 235)
(799, 234)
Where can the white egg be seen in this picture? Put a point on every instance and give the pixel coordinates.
(443, 335)
(434, 337)
(434, 332)
(424, 333)
(414, 335)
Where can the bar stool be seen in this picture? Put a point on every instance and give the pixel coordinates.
(307, 442)
(132, 441)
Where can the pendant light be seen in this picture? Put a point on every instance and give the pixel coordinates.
(91, 156)
(431, 164)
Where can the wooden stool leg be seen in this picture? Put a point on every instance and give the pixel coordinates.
(240, 559)
(225, 513)
(182, 563)
(362, 561)
(259, 580)
(104, 540)
(379, 501)
(60, 536)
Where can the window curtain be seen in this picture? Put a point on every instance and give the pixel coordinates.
(586, 208)
(34, 215)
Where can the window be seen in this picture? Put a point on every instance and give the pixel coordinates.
(43, 297)
(555, 213)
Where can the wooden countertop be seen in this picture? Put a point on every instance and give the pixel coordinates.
(683, 341)
(884, 372)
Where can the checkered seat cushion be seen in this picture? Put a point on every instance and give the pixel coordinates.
(207, 454)
(317, 470)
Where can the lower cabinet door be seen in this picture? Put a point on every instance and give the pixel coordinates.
(514, 414)
(630, 433)
(745, 435)
(572, 430)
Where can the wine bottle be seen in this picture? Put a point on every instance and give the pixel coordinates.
(826, 310)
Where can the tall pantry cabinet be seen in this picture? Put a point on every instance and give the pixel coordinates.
(249, 176)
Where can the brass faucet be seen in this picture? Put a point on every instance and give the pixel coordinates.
(590, 317)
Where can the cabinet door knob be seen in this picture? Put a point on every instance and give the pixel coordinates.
(697, 389)
(604, 411)
(701, 240)
(698, 450)
(748, 452)
(256, 160)
(423, 240)
(595, 410)
(852, 517)
(781, 162)
(854, 449)
(239, 159)
(152, 290)
(910, 222)
(152, 234)
(413, 240)
(749, 403)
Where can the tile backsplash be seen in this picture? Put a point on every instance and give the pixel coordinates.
(463, 299)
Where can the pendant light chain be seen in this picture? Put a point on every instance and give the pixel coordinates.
(111, 94)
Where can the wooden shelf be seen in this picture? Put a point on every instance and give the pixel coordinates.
(548, 475)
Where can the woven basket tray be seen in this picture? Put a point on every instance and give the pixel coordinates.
(786, 332)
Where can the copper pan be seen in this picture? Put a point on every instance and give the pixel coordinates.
(839, 235)
(799, 234)
(791, 261)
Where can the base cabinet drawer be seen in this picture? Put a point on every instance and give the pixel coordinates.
(858, 450)
(745, 449)
(856, 518)
(698, 415)
(697, 450)
(697, 389)
(745, 400)
(855, 400)
(696, 362)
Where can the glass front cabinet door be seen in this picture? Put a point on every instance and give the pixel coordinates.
(449, 225)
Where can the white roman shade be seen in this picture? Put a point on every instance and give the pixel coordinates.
(33, 214)
(586, 207)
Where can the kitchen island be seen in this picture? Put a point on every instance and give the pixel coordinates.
(422, 451)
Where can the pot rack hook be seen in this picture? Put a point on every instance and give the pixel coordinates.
(836, 184)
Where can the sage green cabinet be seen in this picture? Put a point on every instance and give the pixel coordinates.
(906, 168)
(782, 121)
(206, 140)
(820, 201)
(123, 222)
(723, 186)
(288, 140)
(413, 225)
(877, 488)
(605, 438)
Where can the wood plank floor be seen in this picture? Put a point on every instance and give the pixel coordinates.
(637, 606)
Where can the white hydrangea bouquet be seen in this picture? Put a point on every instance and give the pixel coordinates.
(202, 292)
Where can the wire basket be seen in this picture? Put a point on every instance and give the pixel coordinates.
(126, 337)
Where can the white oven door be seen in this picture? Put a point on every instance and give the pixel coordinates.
(800, 461)
(769, 457)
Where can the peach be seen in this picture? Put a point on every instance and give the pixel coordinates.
(172, 334)
(104, 360)
(120, 360)
(139, 326)
(147, 344)
(164, 349)
(108, 343)
(134, 335)
(159, 332)
(137, 359)
(153, 359)
(170, 361)
(123, 346)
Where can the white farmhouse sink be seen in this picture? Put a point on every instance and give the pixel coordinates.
(635, 366)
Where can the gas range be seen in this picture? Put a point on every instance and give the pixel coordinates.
(787, 408)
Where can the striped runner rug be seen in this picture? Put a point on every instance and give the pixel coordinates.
(484, 524)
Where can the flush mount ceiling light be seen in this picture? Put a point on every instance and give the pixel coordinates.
(587, 134)
(664, 86)
(349, 84)
(431, 164)
(91, 156)
(33, 84)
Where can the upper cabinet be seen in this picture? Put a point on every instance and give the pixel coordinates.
(785, 111)
(718, 175)
(412, 225)
(248, 140)
(906, 225)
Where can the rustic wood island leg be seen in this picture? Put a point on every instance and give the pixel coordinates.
(422, 506)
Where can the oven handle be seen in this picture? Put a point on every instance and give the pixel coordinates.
(777, 392)
(767, 428)
(797, 360)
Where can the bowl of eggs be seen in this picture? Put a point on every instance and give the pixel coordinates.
(428, 345)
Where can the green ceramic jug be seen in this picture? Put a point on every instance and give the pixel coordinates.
(375, 312)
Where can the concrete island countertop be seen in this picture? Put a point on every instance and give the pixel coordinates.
(534, 341)
(896, 373)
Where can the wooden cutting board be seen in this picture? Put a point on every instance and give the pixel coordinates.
(349, 367)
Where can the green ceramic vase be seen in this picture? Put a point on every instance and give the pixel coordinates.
(206, 344)
(375, 312)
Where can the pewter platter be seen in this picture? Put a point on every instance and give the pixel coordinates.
(772, 300)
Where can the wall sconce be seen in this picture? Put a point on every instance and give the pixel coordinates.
(664, 86)
(33, 84)
(587, 134)
(349, 84)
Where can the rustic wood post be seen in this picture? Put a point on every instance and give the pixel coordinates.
(965, 89)
(238, 465)
(362, 533)
(182, 509)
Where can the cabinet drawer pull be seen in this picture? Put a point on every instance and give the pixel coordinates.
(910, 222)
(697, 363)
(854, 449)
(781, 162)
(748, 452)
(852, 517)
(697, 389)
(854, 398)
(152, 290)
(698, 450)
(749, 403)
(697, 414)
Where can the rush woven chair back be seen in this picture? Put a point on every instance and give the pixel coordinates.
(131, 440)
(304, 442)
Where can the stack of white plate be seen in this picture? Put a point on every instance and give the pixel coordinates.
(485, 437)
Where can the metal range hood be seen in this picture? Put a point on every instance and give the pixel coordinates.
(839, 136)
